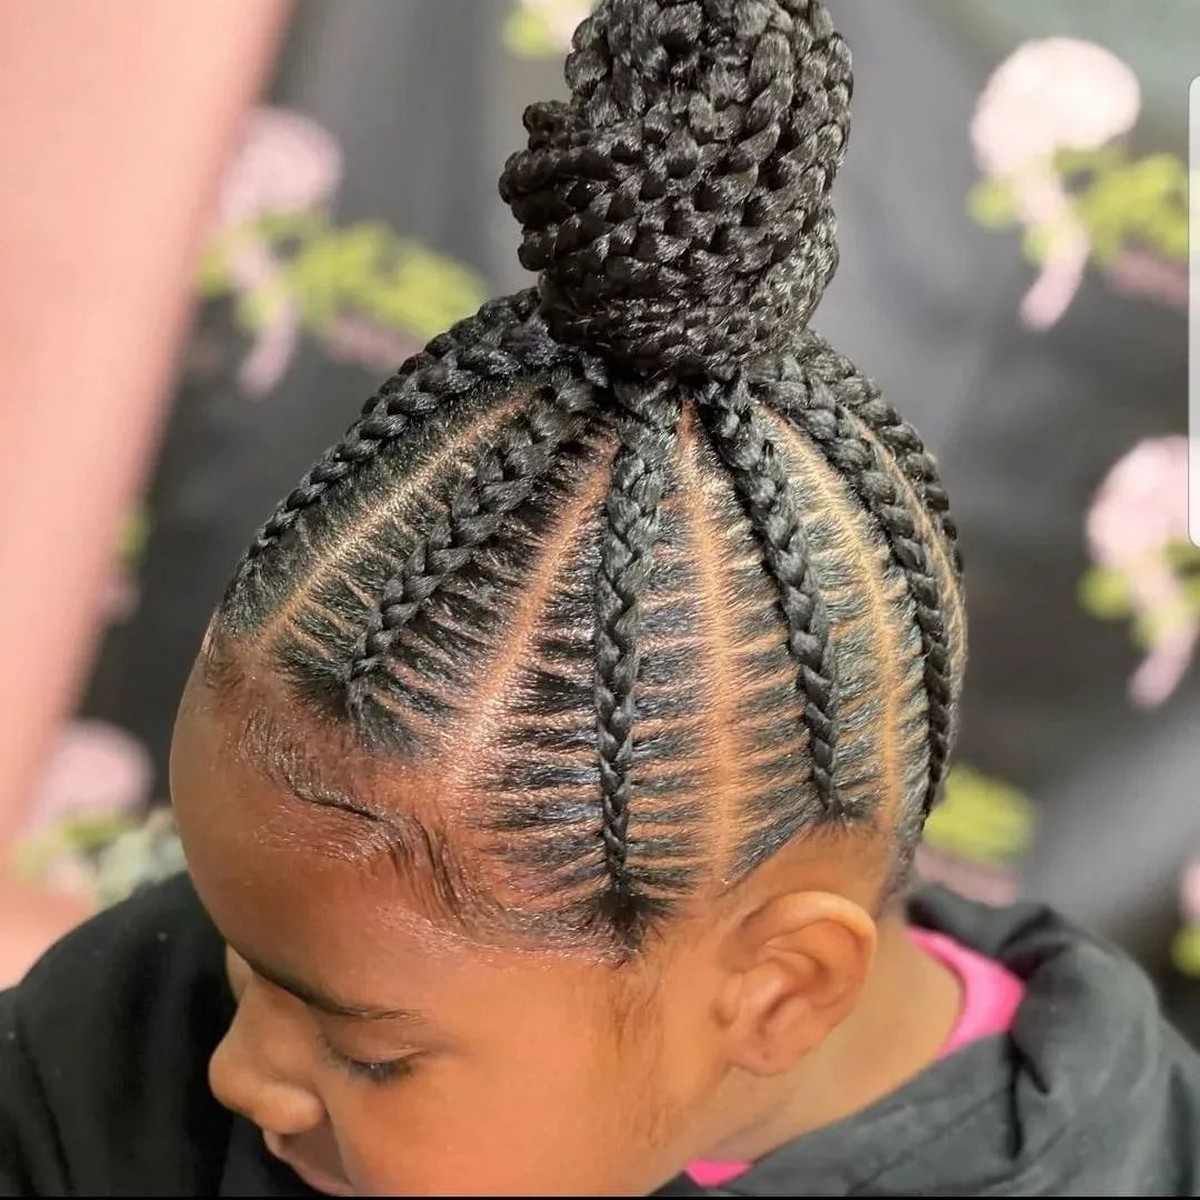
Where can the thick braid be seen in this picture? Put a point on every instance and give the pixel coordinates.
(646, 423)
(503, 481)
(499, 342)
(744, 444)
(819, 362)
(677, 207)
(816, 412)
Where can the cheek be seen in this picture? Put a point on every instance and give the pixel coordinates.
(563, 1113)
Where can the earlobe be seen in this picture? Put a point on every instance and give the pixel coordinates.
(805, 958)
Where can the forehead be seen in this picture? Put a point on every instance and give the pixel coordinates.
(267, 809)
(318, 893)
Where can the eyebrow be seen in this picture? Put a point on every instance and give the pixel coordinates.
(316, 998)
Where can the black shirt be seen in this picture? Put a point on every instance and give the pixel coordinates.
(104, 1050)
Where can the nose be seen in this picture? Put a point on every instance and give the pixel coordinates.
(258, 1070)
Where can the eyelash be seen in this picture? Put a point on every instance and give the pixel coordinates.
(371, 1072)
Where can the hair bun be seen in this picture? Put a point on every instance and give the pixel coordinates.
(677, 207)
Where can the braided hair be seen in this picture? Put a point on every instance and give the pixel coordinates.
(648, 571)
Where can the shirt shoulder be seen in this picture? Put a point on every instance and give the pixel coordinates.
(104, 1051)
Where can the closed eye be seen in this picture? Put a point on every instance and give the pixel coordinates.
(379, 1071)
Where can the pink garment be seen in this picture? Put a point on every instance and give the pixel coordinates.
(991, 992)
(991, 995)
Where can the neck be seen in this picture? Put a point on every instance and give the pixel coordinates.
(907, 1011)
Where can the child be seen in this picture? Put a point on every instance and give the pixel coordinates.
(551, 772)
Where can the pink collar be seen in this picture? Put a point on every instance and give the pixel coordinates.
(991, 995)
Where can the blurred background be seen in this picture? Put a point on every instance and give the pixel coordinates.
(1013, 228)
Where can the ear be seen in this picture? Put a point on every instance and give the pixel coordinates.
(798, 965)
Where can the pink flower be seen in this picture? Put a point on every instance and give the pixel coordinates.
(285, 163)
(1190, 893)
(1051, 95)
(1140, 509)
(351, 338)
(1142, 503)
(95, 766)
(1140, 273)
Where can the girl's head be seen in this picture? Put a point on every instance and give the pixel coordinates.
(562, 734)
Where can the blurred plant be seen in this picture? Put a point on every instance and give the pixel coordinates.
(285, 162)
(120, 597)
(327, 274)
(1185, 948)
(977, 837)
(92, 791)
(97, 777)
(148, 853)
(1045, 133)
(1146, 570)
(981, 818)
(109, 855)
(367, 294)
(62, 855)
(543, 28)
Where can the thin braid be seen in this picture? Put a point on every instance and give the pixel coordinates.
(744, 444)
(917, 465)
(494, 345)
(857, 459)
(647, 424)
(820, 363)
(502, 482)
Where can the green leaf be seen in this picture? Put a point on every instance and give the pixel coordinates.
(257, 309)
(1038, 242)
(213, 278)
(981, 819)
(131, 540)
(1097, 160)
(288, 225)
(424, 292)
(1185, 951)
(1183, 556)
(527, 35)
(1147, 630)
(992, 203)
(77, 834)
(1141, 202)
(1104, 592)
(146, 854)
(363, 269)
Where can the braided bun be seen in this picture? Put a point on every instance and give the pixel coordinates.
(677, 206)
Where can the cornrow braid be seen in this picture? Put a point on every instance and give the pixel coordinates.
(746, 447)
(503, 481)
(818, 362)
(646, 426)
(485, 347)
(643, 575)
(819, 415)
